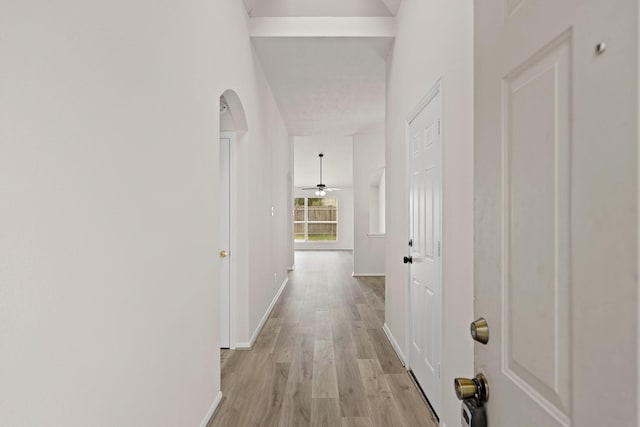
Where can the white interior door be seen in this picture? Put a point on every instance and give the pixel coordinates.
(425, 277)
(556, 210)
(225, 241)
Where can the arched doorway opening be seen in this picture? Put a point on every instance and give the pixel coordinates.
(233, 129)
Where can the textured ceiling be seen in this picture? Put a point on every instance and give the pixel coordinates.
(327, 86)
(258, 8)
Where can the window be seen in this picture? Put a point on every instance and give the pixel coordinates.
(315, 219)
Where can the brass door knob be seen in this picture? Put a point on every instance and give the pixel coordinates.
(465, 388)
(477, 387)
(224, 254)
(480, 330)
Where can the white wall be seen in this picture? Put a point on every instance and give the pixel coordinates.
(268, 166)
(368, 165)
(345, 221)
(290, 247)
(434, 40)
(382, 202)
(108, 216)
(374, 209)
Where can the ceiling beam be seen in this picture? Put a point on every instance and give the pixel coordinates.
(322, 27)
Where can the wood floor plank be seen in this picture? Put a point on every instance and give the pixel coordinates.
(386, 355)
(384, 412)
(293, 311)
(353, 402)
(323, 350)
(276, 396)
(368, 316)
(302, 363)
(285, 344)
(267, 339)
(373, 377)
(343, 342)
(411, 407)
(357, 422)
(362, 341)
(323, 325)
(324, 381)
(351, 311)
(325, 413)
(322, 358)
(307, 321)
(296, 408)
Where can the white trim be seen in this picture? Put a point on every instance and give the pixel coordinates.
(212, 410)
(254, 337)
(293, 267)
(321, 26)
(437, 87)
(376, 235)
(354, 274)
(394, 344)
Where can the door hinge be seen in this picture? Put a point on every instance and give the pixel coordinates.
(438, 248)
(410, 243)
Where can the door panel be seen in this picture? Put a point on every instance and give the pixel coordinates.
(417, 291)
(536, 226)
(425, 229)
(556, 210)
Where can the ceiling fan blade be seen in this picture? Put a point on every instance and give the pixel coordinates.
(310, 188)
(332, 189)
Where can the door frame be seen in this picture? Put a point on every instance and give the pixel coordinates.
(436, 89)
(233, 235)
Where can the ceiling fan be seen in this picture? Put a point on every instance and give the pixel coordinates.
(321, 189)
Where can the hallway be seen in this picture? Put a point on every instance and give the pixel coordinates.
(322, 358)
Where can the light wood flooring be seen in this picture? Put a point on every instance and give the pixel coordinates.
(322, 358)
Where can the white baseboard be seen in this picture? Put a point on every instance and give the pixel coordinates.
(212, 410)
(252, 341)
(394, 344)
(354, 274)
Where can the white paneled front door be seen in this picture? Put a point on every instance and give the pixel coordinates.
(425, 278)
(555, 210)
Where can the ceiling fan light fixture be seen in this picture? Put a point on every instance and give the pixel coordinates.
(320, 189)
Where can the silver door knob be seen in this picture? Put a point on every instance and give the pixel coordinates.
(224, 254)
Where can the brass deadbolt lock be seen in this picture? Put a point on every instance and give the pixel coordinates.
(480, 330)
(477, 387)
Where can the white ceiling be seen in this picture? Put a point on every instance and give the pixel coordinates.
(259, 8)
(337, 164)
(327, 86)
